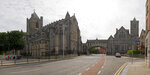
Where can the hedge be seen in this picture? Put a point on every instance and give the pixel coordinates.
(133, 51)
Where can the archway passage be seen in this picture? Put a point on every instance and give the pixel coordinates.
(96, 43)
(97, 50)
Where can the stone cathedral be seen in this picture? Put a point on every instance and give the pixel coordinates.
(123, 40)
(53, 38)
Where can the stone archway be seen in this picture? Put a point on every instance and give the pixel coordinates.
(96, 43)
(101, 49)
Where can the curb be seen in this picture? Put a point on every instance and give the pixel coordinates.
(41, 61)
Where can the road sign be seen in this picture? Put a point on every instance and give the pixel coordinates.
(137, 42)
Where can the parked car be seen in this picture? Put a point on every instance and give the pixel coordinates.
(118, 55)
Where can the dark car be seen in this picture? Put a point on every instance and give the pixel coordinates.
(118, 55)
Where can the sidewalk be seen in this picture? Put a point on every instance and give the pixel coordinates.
(137, 68)
(9, 63)
(30, 61)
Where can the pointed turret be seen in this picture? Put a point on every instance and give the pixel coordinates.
(134, 19)
(67, 15)
(34, 15)
(74, 18)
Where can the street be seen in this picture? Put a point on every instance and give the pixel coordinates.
(75, 66)
(112, 64)
(63, 67)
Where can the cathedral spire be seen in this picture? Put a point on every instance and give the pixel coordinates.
(134, 19)
(67, 15)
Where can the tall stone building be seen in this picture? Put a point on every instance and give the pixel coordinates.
(142, 41)
(123, 40)
(134, 28)
(53, 38)
(147, 36)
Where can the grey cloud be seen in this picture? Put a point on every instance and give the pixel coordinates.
(95, 18)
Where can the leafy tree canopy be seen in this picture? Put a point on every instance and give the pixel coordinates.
(13, 40)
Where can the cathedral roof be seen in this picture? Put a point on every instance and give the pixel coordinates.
(111, 37)
(122, 27)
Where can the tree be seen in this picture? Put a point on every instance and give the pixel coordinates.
(93, 50)
(13, 40)
(3, 42)
(16, 40)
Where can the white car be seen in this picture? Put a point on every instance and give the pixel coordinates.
(118, 55)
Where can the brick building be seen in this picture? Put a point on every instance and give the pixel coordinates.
(147, 39)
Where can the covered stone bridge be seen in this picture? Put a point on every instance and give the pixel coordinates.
(96, 43)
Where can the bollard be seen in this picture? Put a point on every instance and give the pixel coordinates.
(15, 60)
(39, 59)
(27, 60)
(1, 63)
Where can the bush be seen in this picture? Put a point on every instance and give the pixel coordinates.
(129, 52)
(136, 52)
(93, 50)
(133, 51)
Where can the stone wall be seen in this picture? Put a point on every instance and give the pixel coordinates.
(147, 49)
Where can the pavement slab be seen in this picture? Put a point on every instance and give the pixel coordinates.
(138, 68)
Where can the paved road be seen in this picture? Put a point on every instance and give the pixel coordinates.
(64, 67)
(112, 64)
(75, 66)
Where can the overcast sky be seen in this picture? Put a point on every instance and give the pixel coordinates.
(96, 18)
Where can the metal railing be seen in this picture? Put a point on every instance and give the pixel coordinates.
(14, 60)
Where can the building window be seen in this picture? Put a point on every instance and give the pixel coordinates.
(121, 35)
(37, 25)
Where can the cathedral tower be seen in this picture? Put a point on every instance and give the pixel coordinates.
(134, 28)
(34, 23)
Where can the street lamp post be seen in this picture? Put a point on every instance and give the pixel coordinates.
(63, 39)
(132, 57)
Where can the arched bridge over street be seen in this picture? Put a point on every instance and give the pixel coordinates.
(96, 43)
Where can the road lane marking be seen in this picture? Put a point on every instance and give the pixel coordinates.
(26, 71)
(80, 73)
(121, 68)
(97, 66)
(93, 65)
(99, 72)
(87, 68)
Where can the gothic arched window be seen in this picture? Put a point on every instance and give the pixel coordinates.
(37, 25)
(122, 35)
